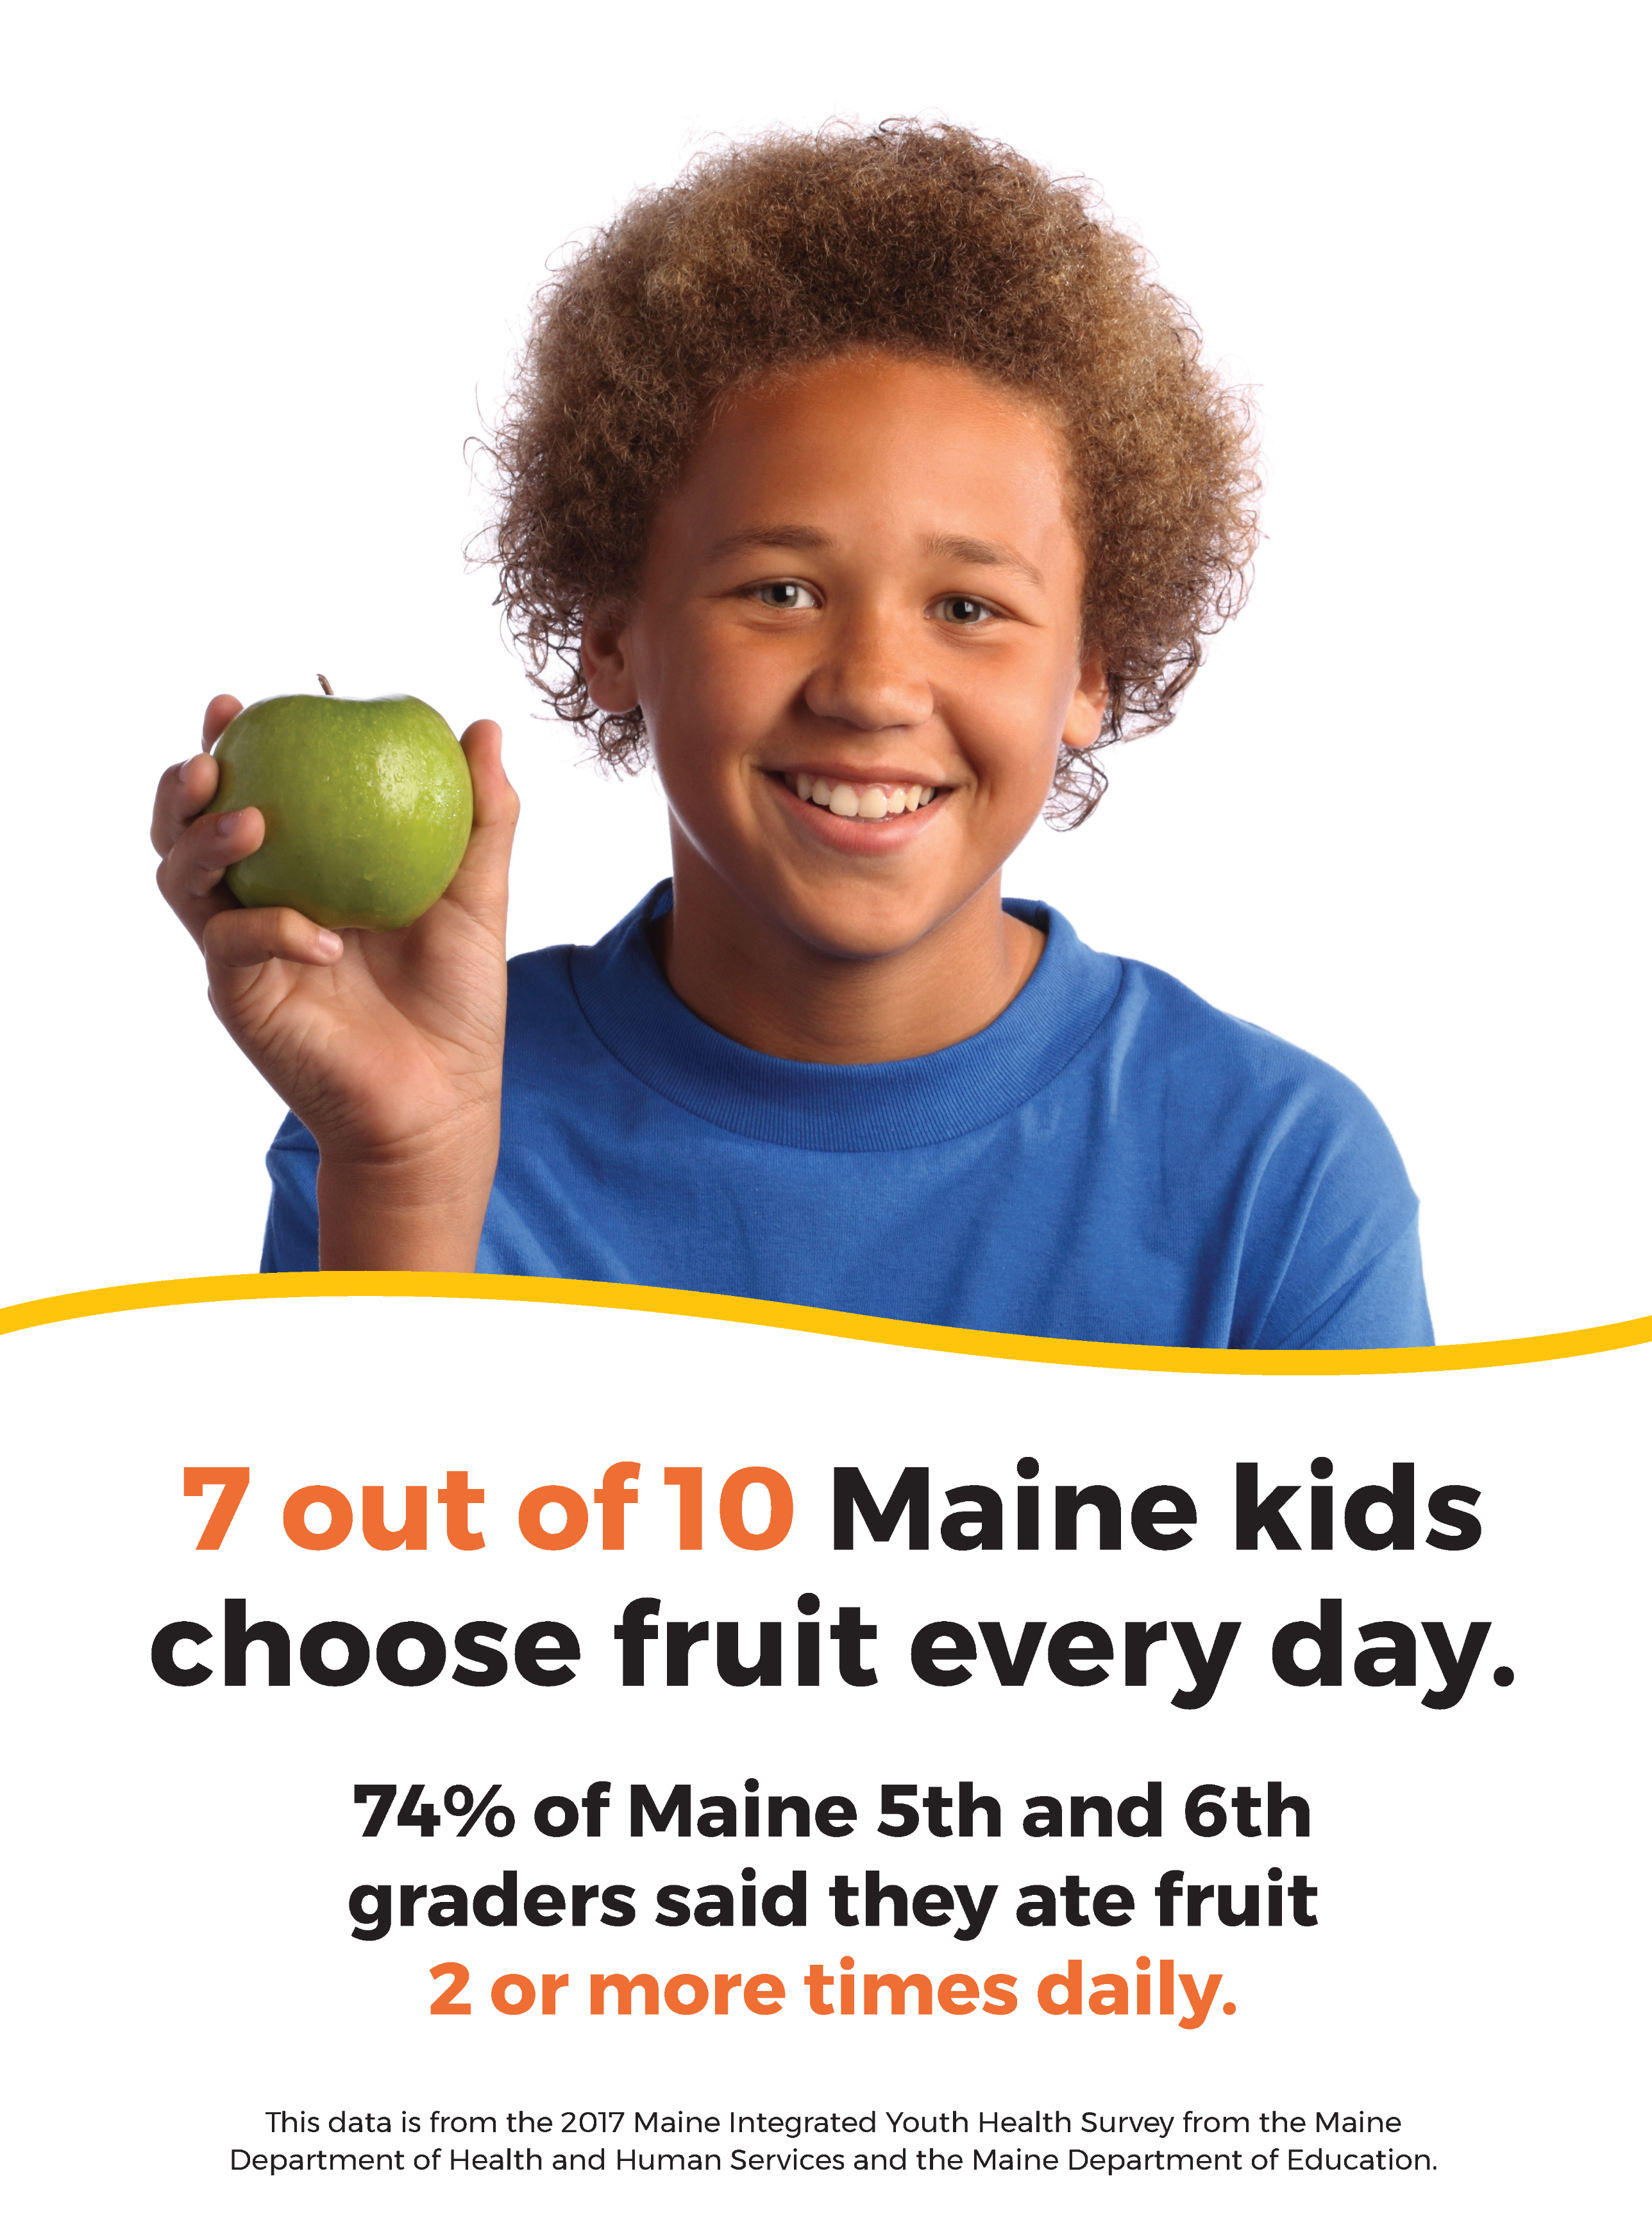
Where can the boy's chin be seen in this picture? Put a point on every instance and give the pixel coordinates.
(850, 929)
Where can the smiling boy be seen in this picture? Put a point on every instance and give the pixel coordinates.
(865, 483)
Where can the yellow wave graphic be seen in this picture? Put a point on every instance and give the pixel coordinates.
(782, 1315)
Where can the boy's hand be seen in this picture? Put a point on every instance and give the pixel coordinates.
(388, 1044)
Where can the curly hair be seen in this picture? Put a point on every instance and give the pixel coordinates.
(924, 241)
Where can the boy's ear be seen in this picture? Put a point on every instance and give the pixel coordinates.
(1087, 713)
(605, 660)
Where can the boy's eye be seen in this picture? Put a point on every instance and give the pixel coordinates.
(787, 596)
(964, 611)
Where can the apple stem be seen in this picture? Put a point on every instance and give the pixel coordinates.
(325, 684)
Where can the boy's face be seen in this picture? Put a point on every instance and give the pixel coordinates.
(867, 587)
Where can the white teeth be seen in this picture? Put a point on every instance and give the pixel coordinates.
(874, 801)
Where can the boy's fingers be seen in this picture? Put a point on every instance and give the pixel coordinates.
(187, 788)
(183, 791)
(246, 936)
(195, 866)
(220, 713)
(190, 876)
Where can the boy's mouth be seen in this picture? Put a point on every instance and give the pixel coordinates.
(858, 800)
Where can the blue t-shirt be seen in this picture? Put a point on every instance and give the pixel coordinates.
(1111, 1158)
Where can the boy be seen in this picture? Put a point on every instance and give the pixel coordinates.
(864, 482)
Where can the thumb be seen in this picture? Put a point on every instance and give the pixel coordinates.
(479, 884)
(483, 744)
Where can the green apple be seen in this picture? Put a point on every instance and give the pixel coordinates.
(366, 803)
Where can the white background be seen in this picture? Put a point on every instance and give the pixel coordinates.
(270, 271)
(182, 1961)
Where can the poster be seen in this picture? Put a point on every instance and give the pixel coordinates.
(656, 1825)
(275, 276)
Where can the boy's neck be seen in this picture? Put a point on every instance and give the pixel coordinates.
(771, 991)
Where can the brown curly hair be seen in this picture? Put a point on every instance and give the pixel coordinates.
(922, 239)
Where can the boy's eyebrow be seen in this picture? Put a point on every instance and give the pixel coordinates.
(969, 551)
(768, 537)
(965, 547)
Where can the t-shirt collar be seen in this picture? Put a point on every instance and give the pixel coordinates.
(822, 1106)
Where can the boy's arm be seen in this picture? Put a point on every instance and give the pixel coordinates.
(1383, 1304)
(1339, 1262)
(388, 1044)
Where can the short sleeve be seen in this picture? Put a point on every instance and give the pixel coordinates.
(1383, 1304)
(292, 1231)
(1337, 1262)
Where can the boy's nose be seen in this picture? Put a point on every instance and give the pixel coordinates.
(872, 680)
